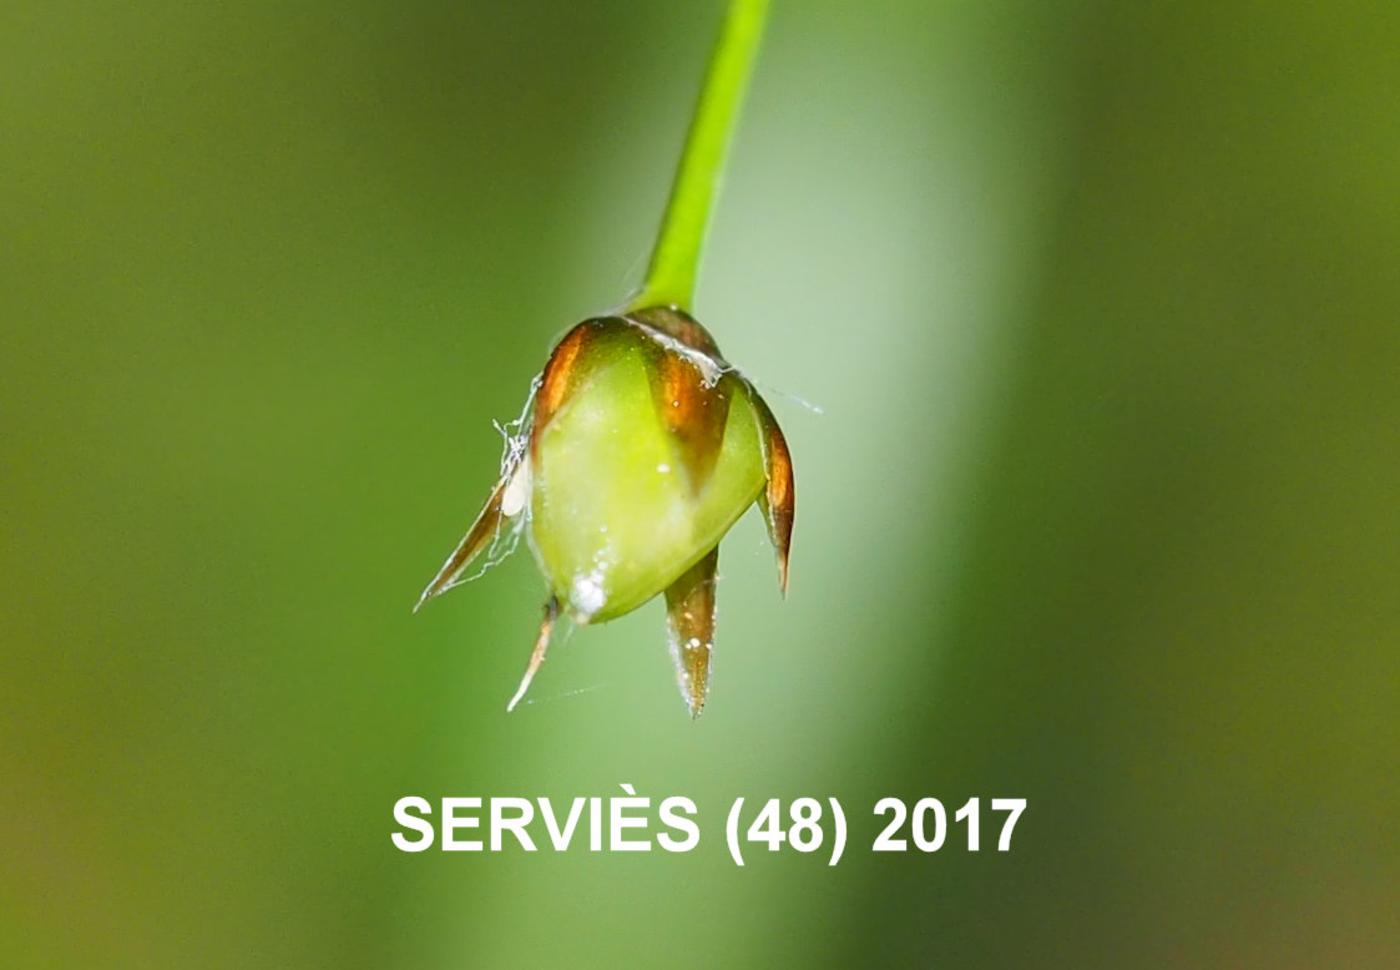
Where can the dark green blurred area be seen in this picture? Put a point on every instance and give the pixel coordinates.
(1100, 301)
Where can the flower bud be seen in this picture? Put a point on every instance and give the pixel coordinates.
(644, 448)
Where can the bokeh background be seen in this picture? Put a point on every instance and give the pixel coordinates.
(1100, 304)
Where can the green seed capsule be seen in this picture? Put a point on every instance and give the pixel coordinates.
(644, 448)
(640, 471)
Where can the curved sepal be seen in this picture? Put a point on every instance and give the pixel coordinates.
(778, 499)
(482, 531)
(508, 499)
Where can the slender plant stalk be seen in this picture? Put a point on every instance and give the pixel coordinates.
(675, 262)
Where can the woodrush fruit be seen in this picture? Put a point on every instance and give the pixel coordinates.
(644, 448)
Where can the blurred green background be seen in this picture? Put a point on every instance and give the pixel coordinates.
(1100, 302)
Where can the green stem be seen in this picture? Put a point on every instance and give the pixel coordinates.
(675, 262)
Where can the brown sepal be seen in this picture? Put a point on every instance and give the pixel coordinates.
(537, 655)
(482, 531)
(690, 626)
(778, 499)
(693, 411)
(561, 375)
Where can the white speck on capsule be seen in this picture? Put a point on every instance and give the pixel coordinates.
(587, 594)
